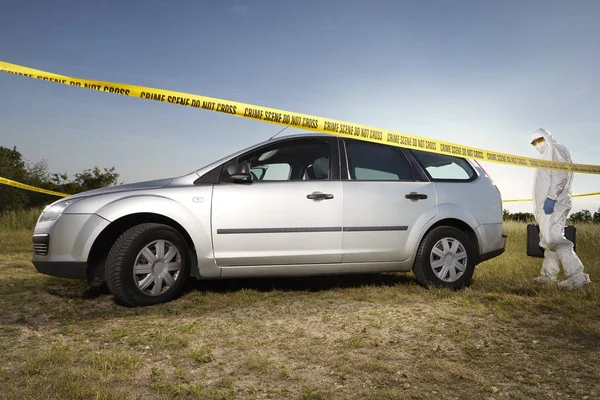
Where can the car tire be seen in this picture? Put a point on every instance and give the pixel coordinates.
(446, 258)
(148, 264)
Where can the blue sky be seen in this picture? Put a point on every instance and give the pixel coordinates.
(479, 73)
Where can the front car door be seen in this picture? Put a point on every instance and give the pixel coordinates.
(385, 200)
(290, 212)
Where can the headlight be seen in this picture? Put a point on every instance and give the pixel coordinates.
(52, 212)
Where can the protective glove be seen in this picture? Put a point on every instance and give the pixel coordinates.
(549, 206)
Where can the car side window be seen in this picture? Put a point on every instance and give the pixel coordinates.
(376, 162)
(444, 167)
(290, 161)
(272, 172)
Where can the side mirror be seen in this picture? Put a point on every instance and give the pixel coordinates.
(236, 172)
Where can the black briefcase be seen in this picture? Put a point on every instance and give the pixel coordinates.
(533, 239)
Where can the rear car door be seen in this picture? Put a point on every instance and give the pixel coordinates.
(386, 199)
(289, 213)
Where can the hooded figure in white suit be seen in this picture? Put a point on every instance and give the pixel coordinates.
(552, 203)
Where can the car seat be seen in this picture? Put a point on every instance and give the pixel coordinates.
(319, 169)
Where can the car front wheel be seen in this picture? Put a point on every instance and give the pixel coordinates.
(147, 265)
(446, 258)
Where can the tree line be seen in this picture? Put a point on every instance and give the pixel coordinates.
(578, 217)
(15, 167)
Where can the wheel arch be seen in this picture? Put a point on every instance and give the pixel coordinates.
(105, 240)
(458, 224)
(454, 215)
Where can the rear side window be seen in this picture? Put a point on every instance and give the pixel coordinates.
(442, 167)
(376, 162)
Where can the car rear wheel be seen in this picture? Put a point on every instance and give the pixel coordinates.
(147, 265)
(446, 258)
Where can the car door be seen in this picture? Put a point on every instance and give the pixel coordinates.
(289, 212)
(385, 202)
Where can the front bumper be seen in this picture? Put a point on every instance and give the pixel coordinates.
(61, 247)
(73, 270)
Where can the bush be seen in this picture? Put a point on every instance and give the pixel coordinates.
(14, 167)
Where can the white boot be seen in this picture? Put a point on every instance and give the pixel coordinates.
(575, 281)
(545, 279)
(550, 268)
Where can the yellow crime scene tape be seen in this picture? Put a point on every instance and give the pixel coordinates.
(297, 120)
(294, 120)
(575, 195)
(29, 187)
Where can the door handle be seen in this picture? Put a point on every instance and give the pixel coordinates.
(416, 196)
(319, 196)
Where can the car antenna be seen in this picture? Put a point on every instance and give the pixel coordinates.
(278, 132)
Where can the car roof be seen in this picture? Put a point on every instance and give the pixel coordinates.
(299, 135)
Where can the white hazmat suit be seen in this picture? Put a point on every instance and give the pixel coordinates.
(552, 203)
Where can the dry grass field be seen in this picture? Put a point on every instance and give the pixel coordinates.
(348, 337)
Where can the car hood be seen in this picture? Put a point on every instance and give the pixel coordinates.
(153, 184)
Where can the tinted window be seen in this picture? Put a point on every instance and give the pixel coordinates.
(277, 172)
(288, 161)
(444, 167)
(376, 162)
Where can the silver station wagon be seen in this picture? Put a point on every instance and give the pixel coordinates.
(298, 205)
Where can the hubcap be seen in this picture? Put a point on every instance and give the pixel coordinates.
(448, 259)
(157, 267)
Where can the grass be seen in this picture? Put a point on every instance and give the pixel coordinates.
(11, 221)
(347, 337)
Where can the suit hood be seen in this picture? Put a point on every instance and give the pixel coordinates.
(542, 133)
